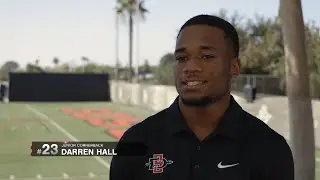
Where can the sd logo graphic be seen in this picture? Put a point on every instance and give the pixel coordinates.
(157, 163)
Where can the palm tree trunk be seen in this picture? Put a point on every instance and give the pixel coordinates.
(130, 46)
(117, 48)
(298, 90)
(137, 39)
(137, 48)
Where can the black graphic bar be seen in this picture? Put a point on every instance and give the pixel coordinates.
(87, 149)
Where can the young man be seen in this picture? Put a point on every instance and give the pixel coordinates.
(205, 134)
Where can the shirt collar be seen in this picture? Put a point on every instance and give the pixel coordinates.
(231, 125)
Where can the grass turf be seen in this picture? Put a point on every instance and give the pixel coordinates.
(21, 123)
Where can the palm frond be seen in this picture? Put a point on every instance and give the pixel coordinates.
(126, 8)
(121, 12)
(142, 10)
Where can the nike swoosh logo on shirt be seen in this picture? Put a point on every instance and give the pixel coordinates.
(226, 166)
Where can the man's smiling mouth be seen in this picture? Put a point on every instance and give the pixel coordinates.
(193, 84)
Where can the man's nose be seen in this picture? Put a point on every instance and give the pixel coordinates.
(192, 66)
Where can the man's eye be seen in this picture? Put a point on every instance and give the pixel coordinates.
(181, 58)
(207, 56)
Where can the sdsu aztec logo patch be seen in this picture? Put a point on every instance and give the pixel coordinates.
(157, 163)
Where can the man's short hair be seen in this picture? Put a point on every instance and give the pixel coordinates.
(230, 32)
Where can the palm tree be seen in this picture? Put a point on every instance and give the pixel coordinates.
(116, 69)
(298, 89)
(131, 9)
(55, 61)
(85, 61)
(37, 62)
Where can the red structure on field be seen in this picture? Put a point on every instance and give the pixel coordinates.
(115, 123)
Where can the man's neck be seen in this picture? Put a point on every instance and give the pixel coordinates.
(205, 117)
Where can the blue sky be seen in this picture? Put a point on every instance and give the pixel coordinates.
(69, 29)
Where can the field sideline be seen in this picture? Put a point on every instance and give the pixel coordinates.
(22, 123)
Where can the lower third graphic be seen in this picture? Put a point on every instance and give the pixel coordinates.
(157, 163)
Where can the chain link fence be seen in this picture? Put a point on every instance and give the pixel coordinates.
(265, 84)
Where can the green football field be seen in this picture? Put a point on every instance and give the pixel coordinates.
(22, 123)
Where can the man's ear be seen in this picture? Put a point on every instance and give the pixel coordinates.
(235, 67)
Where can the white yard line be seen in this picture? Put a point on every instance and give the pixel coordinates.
(91, 175)
(38, 176)
(64, 131)
(65, 176)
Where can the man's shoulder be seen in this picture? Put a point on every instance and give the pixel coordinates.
(266, 145)
(260, 131)
(148, 126)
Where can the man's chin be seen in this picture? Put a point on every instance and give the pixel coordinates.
(197, 102)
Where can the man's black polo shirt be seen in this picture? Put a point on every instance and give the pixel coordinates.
(241, 148)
